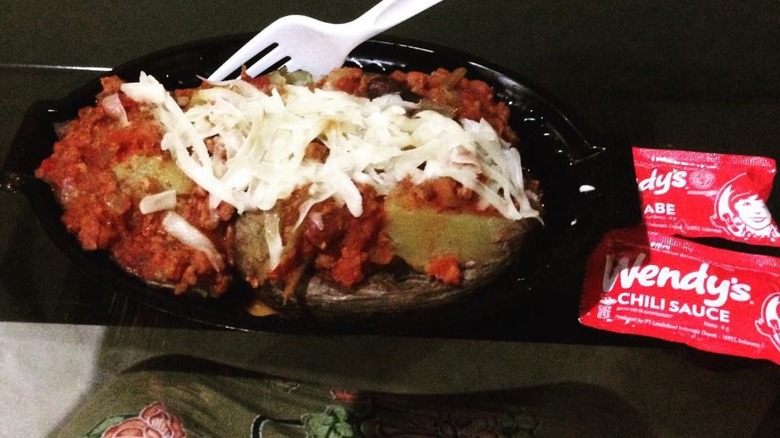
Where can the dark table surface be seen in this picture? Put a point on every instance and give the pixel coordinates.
(694, 75)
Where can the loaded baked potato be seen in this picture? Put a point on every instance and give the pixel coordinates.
(350, 189)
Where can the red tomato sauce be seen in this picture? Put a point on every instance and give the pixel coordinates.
(470, 99)
(343, 248)
(104, 215)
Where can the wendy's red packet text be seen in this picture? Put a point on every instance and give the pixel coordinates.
(645, 283)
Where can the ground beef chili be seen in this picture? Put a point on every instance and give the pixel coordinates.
(449, 92)
(468, 99)
(341, 247)
(104, 214)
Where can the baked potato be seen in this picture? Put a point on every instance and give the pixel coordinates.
(358, 193)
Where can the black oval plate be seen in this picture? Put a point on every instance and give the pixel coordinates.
(553, 148)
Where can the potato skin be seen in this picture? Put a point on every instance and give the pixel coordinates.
(386, 293)
(393, 291)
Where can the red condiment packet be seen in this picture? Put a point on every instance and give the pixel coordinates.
(702, 194)
(646, 283)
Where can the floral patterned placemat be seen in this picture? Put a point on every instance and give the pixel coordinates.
(177, 397)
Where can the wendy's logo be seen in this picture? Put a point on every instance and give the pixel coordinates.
(769, 322)
(701, 179)
(740, 212)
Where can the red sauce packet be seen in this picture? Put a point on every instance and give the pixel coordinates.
(646, 283)
(701, 194)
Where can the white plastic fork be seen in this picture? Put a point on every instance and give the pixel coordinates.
(304, 43)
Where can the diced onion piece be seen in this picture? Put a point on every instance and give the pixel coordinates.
(158, 202)
(189, 235)
(113, 106)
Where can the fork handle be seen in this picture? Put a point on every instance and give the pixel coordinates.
(387, 14)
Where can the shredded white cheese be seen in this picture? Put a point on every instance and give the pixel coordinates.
(259, 143)
(189, 235)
